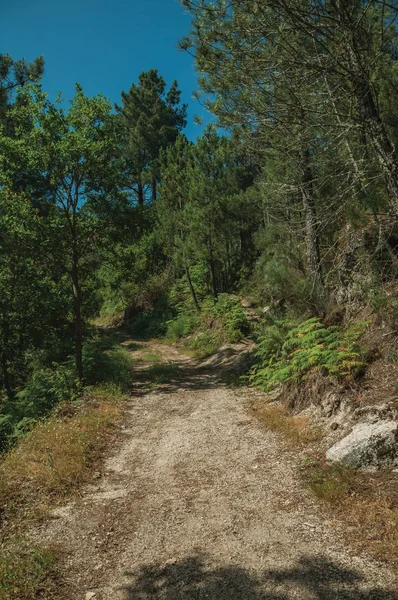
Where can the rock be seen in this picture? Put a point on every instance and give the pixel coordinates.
(334, 426)
(376, 412)
(374, 444)
(90, 595)
(330, 403)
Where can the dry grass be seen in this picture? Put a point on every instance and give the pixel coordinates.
(366, 503)
(372, 512)
(55, 457)
(331, 483)
(26, 572)
(45, 467)
(296, 430)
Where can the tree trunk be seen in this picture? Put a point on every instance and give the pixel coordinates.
(6, 378)
(379, 140)
(140, 189)
(78, 313)
(154, 190)
(312, 241)
(213, 283)
(191, 288)
(369, 113)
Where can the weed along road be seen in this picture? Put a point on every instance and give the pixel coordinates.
(198, 500)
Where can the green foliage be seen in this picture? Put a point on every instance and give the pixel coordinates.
(182, 326)
(218, 322)
(150, 324)
(162, 372)
(150, 120)
(205, 343)
(306, 348)
(232, 317)
(44, 390)
(331, 483)
(106, 362)
(24, 570)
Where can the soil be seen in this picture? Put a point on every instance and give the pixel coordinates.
(198, 500)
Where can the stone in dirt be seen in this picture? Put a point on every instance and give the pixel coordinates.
(90, 595)
(368, 444)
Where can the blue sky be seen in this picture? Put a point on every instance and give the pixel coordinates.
(103, 44)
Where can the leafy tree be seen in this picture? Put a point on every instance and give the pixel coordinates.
(33, 298)
(76, 152)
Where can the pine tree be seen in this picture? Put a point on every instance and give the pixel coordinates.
(150, 119)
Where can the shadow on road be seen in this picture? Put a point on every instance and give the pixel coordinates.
(315, 578)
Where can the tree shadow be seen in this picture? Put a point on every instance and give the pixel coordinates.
(315, 578)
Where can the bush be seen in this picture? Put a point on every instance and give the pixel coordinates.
(104, 362)
(182, 326)
(107, 363)
(150, 324)
(308, 347)
(232, 316)
(205, 343)
(44, 390)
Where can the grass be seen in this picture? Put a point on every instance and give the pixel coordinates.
(204, 344)
(366, 503)
(330, 482)
(53, 459)
(162, 372)
(25, 571)
(296, 430)
(150, 357)
(46, 466)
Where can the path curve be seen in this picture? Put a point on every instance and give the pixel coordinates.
(198, 501)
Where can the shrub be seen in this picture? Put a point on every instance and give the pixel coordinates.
(205, 343)
(308, 347)
(107, 363)
(104, 363)
(44, 390)
(233, 317)
(149, 324)
(182, 326)
(24, 570)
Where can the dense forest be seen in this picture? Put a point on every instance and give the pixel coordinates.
(289, 201)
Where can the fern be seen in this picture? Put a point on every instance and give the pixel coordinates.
(306, 348)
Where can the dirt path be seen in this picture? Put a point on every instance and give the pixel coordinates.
(198, 501)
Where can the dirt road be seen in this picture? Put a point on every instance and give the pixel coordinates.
(199, 501)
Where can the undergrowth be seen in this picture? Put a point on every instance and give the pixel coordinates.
(219, 321)
(289, 353)
(25, 569)
(296, 430)
(105, 364)
(55, 457)
(53, 432)
(366, 503)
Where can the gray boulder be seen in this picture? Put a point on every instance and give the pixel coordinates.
(368, 444)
